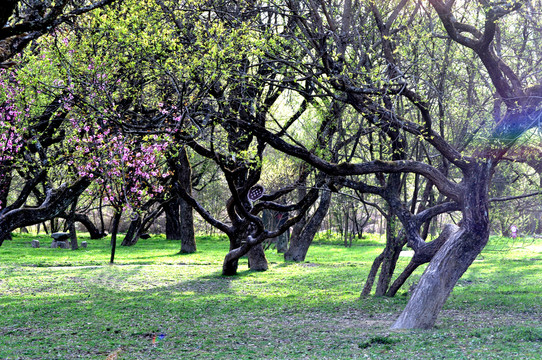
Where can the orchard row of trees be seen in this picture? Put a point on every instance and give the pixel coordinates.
(415, 109)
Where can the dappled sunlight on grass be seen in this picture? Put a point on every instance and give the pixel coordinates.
(293, 310)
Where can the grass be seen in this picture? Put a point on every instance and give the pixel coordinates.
(63, 304)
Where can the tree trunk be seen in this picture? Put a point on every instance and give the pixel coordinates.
(188, 238)
(101, 215)
(372, 275)
(56, 202)
(231, 261)
(300, 245)
(453, 258)
(5, 184)
(45, 227)
(346, 226)
(89, 225)
(298, 227)
(388, 266)
(282, 242)
(394, 245)
(133, 233)
(241, 244)
(185, 233)
(6, 237)
(419, 259)
(387, 259)
(439, 279)
(71, 226)
(173, 219)
(256, 259)
(114, 231)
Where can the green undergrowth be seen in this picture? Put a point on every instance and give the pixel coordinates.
(63, 304)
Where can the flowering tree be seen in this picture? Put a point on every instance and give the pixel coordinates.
(32, 134)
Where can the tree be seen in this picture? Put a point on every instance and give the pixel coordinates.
(182, 211)
(466, 185)
(29, 148)
(25, 21)
(30, 132)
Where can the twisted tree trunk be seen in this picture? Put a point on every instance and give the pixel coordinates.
(55, 203)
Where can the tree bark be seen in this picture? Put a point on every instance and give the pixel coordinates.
(256, 259)
(180, 214)
(114, 231)
(301, 193)
(420, 259)
(188, 239)
(133, 233)
(140, 225)
(231, 260)
(282, 242)
(372, 275)
(71, 226)
(439, 279)
(173, 219)
(453, 258)
(299, 246)
(5, 183)
(87, 223)
(55, 203)
(394, 245)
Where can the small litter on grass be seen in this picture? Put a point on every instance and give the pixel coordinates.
(114, 355)
(156, 338)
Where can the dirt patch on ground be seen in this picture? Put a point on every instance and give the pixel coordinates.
(488, 318)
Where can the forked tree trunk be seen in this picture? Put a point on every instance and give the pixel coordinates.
(453, 258)
(239, 247)
(439, 278)
(299, 246)
(387, 259)
(416, 260)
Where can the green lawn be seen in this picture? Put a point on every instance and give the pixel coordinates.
(63, 304)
